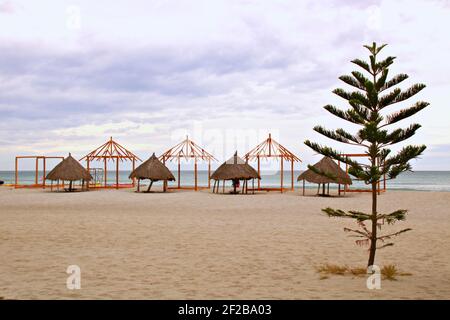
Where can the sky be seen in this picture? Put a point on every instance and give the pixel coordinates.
(224, 72)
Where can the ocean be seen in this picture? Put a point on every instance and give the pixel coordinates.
(417, 180)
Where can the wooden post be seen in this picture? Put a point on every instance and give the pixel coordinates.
(36, 178)
(117, 172)
(164, 181)
(44, 168)
(281, 174)
(195, 173)
(303, 186)
(179, 173)
(134, 167)
(17, 174)
(209, 173)
(105, 173)
(253, 185)
(259, 173)
(292, 174)
(89, 171)
(223, 186)
(139, 185)
(339, 185)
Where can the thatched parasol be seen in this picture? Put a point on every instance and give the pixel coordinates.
(154, 170)
(331, 173)
(235, 169)
(69, 170)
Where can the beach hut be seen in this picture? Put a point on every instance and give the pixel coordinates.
(331, 173)
(154, 170)
(270, 148)
(234, 169)
(69, 170)
(187, 150)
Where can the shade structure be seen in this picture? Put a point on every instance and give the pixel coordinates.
(111, 151)
(69, 170)
(327, 172)
(234, 169)
(188, 149)
(270, 148)
(154, 170)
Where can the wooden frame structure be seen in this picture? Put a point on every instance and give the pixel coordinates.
(36, 179)
(346, 187)
(188, 149)
(270, 148)
(111, 150)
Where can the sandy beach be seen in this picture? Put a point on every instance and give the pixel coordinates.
(196, 245)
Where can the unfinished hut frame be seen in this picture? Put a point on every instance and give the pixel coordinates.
(270, 148)
(188, 149)
(111, 151)
(36, 179)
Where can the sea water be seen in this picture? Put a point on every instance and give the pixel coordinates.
(417, 180)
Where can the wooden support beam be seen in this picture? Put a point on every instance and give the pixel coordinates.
(259, 173)
(179, 173)
(281, 174)
(16, 173)
(134, 167)
(36, 178)
(209, 174)
(292, 174)
(105, 173)
(44, 170)
(117, 173)
(195, 173)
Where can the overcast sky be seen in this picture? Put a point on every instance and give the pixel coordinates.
(74, 73)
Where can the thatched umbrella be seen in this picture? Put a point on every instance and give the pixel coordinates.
(327, 172)
(154, 170)
(234, 169)
(69, 170)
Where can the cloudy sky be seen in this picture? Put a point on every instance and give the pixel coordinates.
(74, 73)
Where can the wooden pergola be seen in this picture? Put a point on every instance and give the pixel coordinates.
(188, 149)
(113, 151)
(270, 148)
(36, 175)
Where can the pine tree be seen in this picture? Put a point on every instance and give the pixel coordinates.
(367, 106)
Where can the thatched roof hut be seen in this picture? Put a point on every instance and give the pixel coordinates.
(69, 170)
(332, 173)
(234, 169)
(154, 170)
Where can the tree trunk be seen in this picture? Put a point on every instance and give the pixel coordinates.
(373, 240)
(70, 186)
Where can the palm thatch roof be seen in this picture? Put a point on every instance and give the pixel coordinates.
(332, 173)
(152, 169)
(235, 168)
(70, 170)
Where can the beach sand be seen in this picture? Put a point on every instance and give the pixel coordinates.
(197, 245)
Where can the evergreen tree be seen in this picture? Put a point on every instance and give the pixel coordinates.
(367, 105)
